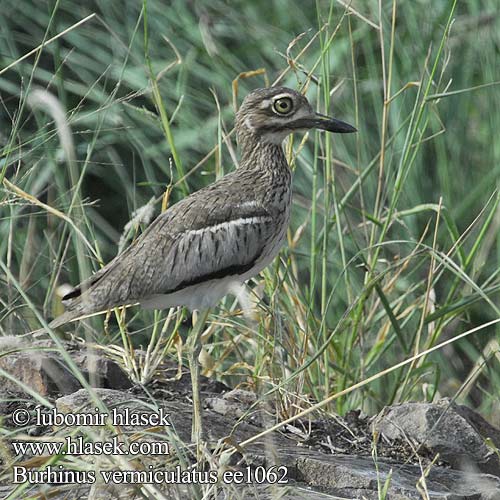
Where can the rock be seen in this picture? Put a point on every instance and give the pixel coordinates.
(180, 413)
(81, 400)
(350, 477)
(235, 403)
(457, 433)
(483, 427)
(43, 372)
(101, 371)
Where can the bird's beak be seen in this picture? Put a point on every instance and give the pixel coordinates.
(324, 123)
(331, 124)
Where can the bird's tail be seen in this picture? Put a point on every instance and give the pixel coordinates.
(62, 319)
(66, 317)
(76, 313)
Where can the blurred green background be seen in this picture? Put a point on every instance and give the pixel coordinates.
(394, 243)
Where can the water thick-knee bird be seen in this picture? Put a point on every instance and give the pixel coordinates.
(226, 233)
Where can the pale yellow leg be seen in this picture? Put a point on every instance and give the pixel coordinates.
(194, 349)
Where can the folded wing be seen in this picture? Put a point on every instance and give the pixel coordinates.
(186, 245)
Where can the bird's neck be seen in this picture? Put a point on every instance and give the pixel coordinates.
(258, 154)
(263, 165)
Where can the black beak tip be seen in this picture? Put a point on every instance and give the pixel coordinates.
(343, 128)
(334, 125)
(350, 129)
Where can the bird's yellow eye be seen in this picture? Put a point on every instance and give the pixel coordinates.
(283, 105)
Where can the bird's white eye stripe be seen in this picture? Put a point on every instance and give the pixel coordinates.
(280, 96)
(265, 103)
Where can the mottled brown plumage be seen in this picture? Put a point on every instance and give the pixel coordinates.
(222, 234)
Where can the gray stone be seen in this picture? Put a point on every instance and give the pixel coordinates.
(355, 477)
(235, 402)
(216, 426)
(43, 372)
(443, 428)
(101, 371)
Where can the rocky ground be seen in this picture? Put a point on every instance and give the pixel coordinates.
(409, 451)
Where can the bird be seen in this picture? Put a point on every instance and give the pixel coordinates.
(195, 252)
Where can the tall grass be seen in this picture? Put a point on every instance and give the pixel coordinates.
(394, 243)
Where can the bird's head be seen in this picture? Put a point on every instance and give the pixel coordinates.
(275, 112)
